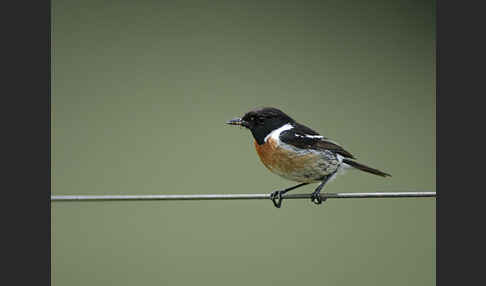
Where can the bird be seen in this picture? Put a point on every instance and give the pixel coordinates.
(296, 152)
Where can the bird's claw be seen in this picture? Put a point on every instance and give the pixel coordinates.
(276, 197)
(316, 198)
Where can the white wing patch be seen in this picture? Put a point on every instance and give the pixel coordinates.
(309, 136)
(340, 158)
(314, 136)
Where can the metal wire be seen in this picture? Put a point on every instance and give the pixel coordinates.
(239, 196)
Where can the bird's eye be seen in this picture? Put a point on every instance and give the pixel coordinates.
(252, 118)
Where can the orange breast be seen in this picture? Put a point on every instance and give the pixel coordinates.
(284, 162)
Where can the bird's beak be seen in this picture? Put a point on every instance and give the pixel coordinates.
(236, 121)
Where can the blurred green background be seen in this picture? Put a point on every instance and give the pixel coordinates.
(140, 94)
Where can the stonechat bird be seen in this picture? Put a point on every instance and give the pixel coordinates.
(296, 152)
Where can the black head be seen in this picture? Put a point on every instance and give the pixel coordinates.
(262, 121)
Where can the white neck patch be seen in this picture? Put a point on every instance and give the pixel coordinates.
(276, 133)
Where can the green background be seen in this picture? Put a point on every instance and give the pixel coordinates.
(140, 94)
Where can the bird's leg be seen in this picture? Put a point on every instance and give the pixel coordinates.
(315, 196)
(276, 196)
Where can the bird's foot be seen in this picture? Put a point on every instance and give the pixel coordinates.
(316, 198)
(276, 197)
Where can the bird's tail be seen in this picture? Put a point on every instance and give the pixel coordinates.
(365, 168)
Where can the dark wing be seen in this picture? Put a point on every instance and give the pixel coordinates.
(303, 137)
